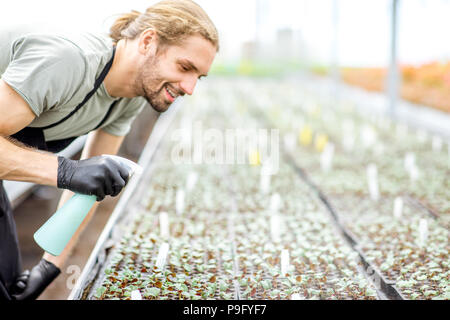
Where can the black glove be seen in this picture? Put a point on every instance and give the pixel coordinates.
(100, 176)
(30, 285)
(20, 284)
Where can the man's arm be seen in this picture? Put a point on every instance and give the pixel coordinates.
(99, 176)
(99, 142)
(18, 162)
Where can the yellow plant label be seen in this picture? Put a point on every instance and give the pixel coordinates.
(305, 136)
(321, 142)
(254, 158)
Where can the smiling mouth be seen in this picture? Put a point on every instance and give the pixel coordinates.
(170, 94)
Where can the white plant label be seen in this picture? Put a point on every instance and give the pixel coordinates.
(191, 181)
(398, 207)
(410, 161)
(162, 256)
(372, 179)
(423, 231)
(296, 296)
(164, 224)
(326, 158)
(265, 184)
(265, 177)
(437, 144)
(275, 226)
(411, 167)
(275, 201)
(136, 295)
(284, 262)
(179, 204)
(368, 136)
(414, 174)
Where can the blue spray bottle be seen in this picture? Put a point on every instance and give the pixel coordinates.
(54, 234)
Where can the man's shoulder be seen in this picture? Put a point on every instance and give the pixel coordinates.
(87, 52)
(95, 48)
(88, 43)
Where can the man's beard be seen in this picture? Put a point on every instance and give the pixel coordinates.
(148, 79)
(155, 100)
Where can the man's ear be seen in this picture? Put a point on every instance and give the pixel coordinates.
(148, 41)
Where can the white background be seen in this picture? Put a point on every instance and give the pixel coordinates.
(363, 27)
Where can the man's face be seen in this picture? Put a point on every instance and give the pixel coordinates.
(174, 71)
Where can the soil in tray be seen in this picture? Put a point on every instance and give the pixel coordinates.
(210, 262)
(420, 276)
(306, 288)
(306, 278)
(265, 289)
(194, 287)
(395, 271)
(270, 267)
(171, 286)
(131, 272)
(423, 290)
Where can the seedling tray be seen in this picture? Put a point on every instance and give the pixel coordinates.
(226, 221)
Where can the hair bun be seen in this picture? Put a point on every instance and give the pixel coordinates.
(123, 23)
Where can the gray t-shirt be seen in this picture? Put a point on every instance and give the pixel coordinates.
(54, 73)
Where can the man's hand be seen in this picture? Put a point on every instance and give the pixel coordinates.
(30, 285)
(99, 176)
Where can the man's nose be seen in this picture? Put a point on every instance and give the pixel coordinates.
(188, 85)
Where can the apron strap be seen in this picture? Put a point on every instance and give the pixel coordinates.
(111, 107)
(58, 145)
(97, 84)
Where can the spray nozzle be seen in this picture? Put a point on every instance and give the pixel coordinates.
(135, 169)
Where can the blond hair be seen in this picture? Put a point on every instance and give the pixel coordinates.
(173, 21)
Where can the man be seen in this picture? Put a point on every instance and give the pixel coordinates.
(54, 88)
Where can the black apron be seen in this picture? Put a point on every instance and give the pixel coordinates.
(10, 260)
